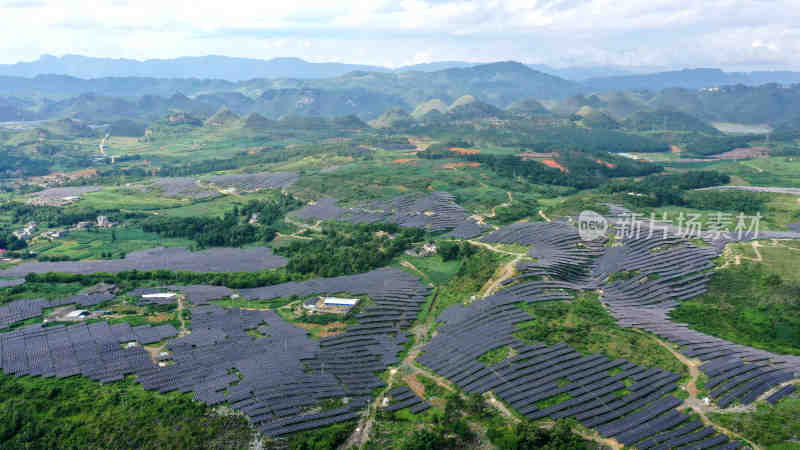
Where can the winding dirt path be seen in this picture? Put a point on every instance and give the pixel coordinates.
(482, 219)
(316, 227)
(502, 205)
(693, 402)
(503, 273)
(181, 306)
(493, 248)
(361, 434)
(102, 146)
(544, 216)
(413, 267)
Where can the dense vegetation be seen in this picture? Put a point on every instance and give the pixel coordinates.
(10, 242)
(231, 230)
(581, 169)
(476, 268)
(772, 426)
(727, 200)
(711, 145)
(54, 216)
(77, 413)
(11, 164)
(585, 325)
(748, 304)
(452, 250)
(661, 190)
(347, 249)
(528, 436)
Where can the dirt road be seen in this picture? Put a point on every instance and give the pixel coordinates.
(693, 402)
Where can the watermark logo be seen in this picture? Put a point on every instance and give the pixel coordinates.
(592, 225)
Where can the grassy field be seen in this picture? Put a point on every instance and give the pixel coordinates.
(472, 275)
(775, 427)
(434, 268)
(129, 199)
(751, 304)
(79, 413)
(585, 325)
(774, 171)
(95, 244)
(476, 189)
(39, 290)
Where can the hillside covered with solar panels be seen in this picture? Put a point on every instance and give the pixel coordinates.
(453, 276)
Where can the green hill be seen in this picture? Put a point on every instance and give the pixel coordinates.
(527, 107)
(431, 105)
(256, 121)
(668, 120)
(223, 117)
(595, 118)
(394, 118)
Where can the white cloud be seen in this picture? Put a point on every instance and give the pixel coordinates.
(557, 32)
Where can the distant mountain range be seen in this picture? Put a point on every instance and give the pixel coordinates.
(206, 67)
(708, 94)
(240, 69)
(690, 79)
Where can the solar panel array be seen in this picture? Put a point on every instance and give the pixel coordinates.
(404, 397)
(668, 269)
(322, 209)
(92, 350)
(61, 192)
(196, 294)
(142, 292)
(664, 269)
(559, 251)
(180, 187)
(267, 368)
(436, 212)
(354, 356)
(11, 283)
(217, 260)
(533, 379)
(254, 181)
(737, 372)
(275, 374)
(20, 310)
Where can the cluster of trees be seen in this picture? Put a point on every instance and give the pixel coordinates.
(520, 208)
(450, 431)
(10, 242)
(583, 170)
(346, 249)
(79, 413)
(750, 305)
(54, 216)
(704, 145)
(452, 250)
(591, 140)
(22, 165)
(135, 278)
(389, 142)
(727, 200)
(661, 190)
(527, 436)
(231, 230)
(227, 231)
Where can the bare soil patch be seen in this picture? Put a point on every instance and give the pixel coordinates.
(465, 151)
(460, 164)
(745, 153)
(555, 165)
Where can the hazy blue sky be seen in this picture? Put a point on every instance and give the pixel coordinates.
(732, 34)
